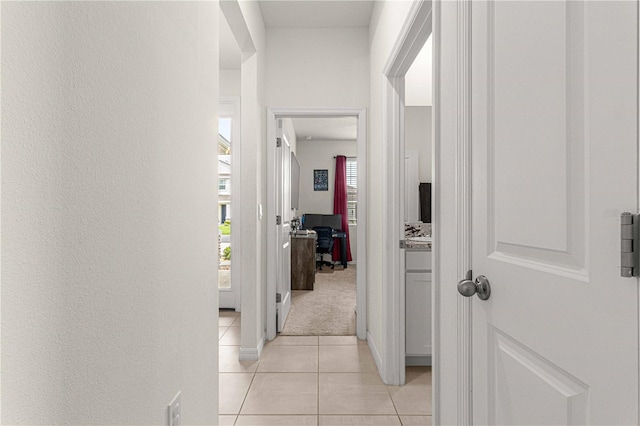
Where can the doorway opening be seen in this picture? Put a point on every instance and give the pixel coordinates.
(228, 196)
(409, 146)
(324, 228)
(314, 157)
(229, 191)
(417, 112)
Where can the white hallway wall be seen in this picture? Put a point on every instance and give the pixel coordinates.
(386, 23)
(417, 137)
(230, 83)
(253, 263)
(319, 68)
(318, 154)
(108, 242)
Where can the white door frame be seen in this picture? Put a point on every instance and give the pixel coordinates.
(233, 103)
(412, 37)
(450, 24)
(361, 254)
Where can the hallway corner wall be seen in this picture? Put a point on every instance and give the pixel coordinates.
(386, 23)
(246, 15)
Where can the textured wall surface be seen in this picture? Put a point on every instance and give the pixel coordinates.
(109, 290)
(314, 155)
(317, 67)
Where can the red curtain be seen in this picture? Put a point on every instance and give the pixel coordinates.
(340, 205)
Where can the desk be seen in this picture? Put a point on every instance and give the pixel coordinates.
(343, 246)
(303, 262)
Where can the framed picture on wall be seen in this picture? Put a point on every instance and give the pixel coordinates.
(321, 180)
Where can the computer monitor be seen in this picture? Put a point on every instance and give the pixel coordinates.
(312, 220)
(333, 220)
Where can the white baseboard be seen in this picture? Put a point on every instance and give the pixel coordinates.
(376, 355)
(252, 354)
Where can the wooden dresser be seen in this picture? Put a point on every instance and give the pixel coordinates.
(303, 262)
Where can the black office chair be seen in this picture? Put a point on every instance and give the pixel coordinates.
(324, 245)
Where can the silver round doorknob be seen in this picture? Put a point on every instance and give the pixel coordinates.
(467, 288)
(480, 286)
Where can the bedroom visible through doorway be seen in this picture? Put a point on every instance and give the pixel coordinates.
(324, 206)
(319, 141)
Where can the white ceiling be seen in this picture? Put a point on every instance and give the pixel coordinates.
(296, 14)
(316, 13)
(229, 50)
(305, 13)
(326, 129)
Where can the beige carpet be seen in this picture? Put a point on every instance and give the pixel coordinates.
(328, 310)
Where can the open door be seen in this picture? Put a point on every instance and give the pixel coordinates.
(554, 162)
(283, 226)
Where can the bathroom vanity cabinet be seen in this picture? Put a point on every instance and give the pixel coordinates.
(418, 346)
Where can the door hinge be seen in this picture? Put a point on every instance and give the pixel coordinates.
(403, 244)
(278, 297)
(278, 142)
(278, 220)
(629, 245)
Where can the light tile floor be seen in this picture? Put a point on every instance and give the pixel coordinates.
(311, 380)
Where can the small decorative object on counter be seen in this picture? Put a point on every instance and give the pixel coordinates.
(295, 224)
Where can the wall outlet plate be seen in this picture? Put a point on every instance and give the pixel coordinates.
(174, 411)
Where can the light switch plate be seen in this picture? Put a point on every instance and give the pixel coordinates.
(174, 411)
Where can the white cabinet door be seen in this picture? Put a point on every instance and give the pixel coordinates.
(555, 151)
(418, 309)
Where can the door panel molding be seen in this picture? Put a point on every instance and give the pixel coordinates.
(557, 243)
(508, 357)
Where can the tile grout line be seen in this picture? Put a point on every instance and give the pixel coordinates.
(318, 407)
(225, 332)
(248, 389)
(247, 393)
(393, 403)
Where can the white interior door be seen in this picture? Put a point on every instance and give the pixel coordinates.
(283, 211)
(554, 107)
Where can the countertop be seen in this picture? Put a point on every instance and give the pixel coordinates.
(418, 243)
(304, 234)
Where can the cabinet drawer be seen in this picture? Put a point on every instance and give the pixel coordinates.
(418, 261)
